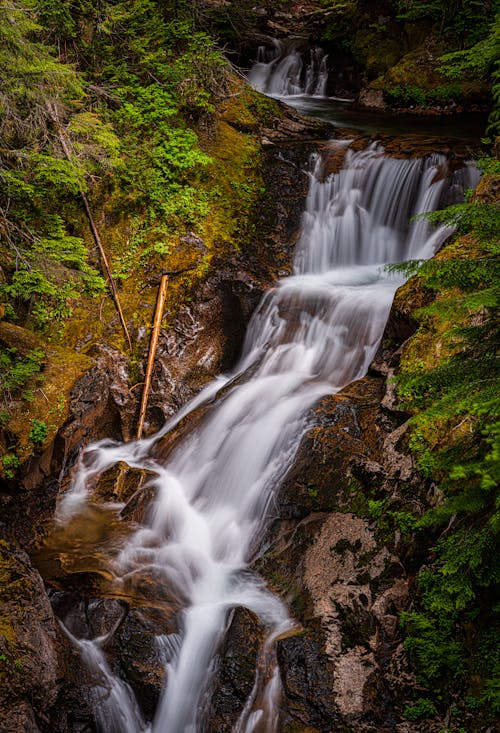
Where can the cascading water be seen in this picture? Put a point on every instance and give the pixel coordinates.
(314, 333)
(284, 71)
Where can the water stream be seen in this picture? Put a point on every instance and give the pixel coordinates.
(314, 333)
(302, 79)
(285, 70)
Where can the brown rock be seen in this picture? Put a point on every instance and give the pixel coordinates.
(371, 99)
(31, 646)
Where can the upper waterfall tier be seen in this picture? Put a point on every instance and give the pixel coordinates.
(288, 70)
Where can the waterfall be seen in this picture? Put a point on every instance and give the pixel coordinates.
(285, 71)
(115, 706)
(312, 334)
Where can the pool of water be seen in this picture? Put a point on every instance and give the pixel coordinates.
(342, 113)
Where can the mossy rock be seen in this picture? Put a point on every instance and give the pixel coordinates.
(16, 337)
(50, 403)
(416, 81)
(378, 48)
(29, 647)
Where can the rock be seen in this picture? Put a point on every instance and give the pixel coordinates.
(32, 663)
(346, 581)
(100, 407)
(345, 426)
(236, 669)
(189, 252)
(307, 673)
(16, 337)
(142, 646)
(371, 99)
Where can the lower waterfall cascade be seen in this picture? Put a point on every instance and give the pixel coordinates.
(314, 333)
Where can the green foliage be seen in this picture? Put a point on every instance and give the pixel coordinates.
(339, 23)
(148, 74)
(47, 269)
(431, 643)
(17, 371)
(33, 81)
(456, 438)
(467, 20)
(480, 61)
(415, 95)
(422, 708)
(162, 159)
(38, 431)
(10, 464)
(375, 508)
(52, 274)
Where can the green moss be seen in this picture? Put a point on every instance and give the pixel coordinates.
(237, 175)
(376, 49)
(8, 632)
(416, 80)
(354, 498)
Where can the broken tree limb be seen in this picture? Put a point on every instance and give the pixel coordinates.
(95, 232)
(160, 302)
(107, 270)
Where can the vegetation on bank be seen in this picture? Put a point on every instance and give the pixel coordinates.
(119, 83)
(450, 381)
(421, 53)
(131, 90)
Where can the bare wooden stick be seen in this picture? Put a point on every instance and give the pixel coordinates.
(107, 270)
(160, 302)
(93, 228)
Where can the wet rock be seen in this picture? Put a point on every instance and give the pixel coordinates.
(121, 483)
(205, 339)
(100, 406)
(346, 581)
(142, 646)
(32, 662)
(133, 642)
(89, 618)
(307, 673)
(236, 670)
(371, 99)
(345, 427)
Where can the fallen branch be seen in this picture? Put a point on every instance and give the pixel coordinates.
(107, 270)
(160, 302)
(93, 227)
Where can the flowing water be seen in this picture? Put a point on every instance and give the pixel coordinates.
(286, 71)
(314, 333)
(301, 78)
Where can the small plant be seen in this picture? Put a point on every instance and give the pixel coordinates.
(422, 708)
(39, 431)
(10, 463)
(16, 371)
(375, 508)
